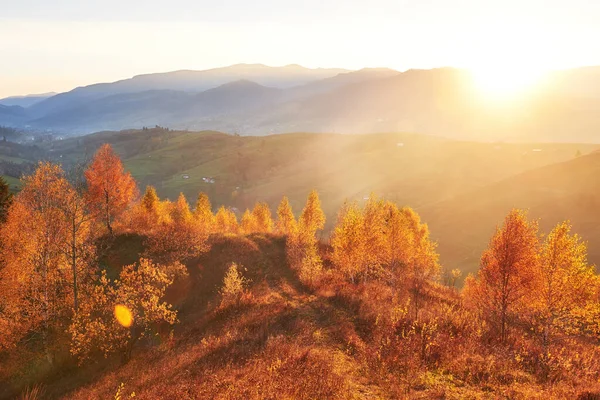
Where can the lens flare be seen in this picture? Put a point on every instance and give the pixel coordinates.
(123, 316)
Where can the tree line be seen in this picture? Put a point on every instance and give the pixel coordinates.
(54, 230)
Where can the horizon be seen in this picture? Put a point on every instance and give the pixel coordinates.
(70, 44)
(347, 70)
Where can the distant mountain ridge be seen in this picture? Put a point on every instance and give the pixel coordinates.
(187, 81)
(25, 101)
(254, 99)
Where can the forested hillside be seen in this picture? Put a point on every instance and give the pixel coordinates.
(111, 292)
(423, 172)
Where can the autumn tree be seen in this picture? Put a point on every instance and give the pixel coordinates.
(226, 221)
(124, 311)
(567, 278)
(248, 222)
(150, 200)
(5, 199)
(399, 240)
(423, 261)
(35, 287)
(312, 218)
(508, 272)
(348, 242)
(375, 233)
(151, 207)
(311, 263)
(302, 244)
(262, 216)
(234, 284)
(110, 189)
(180, 211)
(78, 247)
(203, 212)
(286, 223)
(178, 238)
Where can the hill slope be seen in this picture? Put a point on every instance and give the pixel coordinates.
(408, 168)
(564, 191)
(282, 340)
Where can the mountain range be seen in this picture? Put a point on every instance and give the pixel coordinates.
(254, 99)
(25, 101)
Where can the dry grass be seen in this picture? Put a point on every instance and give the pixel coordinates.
(335, 341)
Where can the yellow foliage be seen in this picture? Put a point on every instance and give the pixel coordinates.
(248, 222)
(233, 284)
(348, 242)
(262, 217)
(508, 273)
(226, 221)
(47, 238)
(121, 312)
(286, 223)
(312, 218)
(203, 212)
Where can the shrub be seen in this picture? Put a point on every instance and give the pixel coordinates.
(234, 285)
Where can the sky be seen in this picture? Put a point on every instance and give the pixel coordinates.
(61, 44)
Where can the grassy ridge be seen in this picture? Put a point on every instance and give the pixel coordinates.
(285, 341)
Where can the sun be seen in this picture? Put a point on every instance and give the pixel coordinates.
(505, 82)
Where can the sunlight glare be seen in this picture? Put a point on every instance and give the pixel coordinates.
(123, 315)
(506, 82)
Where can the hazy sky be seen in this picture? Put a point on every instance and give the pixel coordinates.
(55, 45)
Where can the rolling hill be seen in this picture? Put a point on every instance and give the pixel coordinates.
(568, 190)
(12, 115)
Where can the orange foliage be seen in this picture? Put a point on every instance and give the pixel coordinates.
(226, 221)
(312, 218)
(286, 223)
(348, 242)
(178, 238)
(373, 312)
(110, 189)
(139, 290)
(567, 280)
(509, 272)
(248, 222)
(37, 240)
(262, 217)
(302, 243)
(203, 212)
